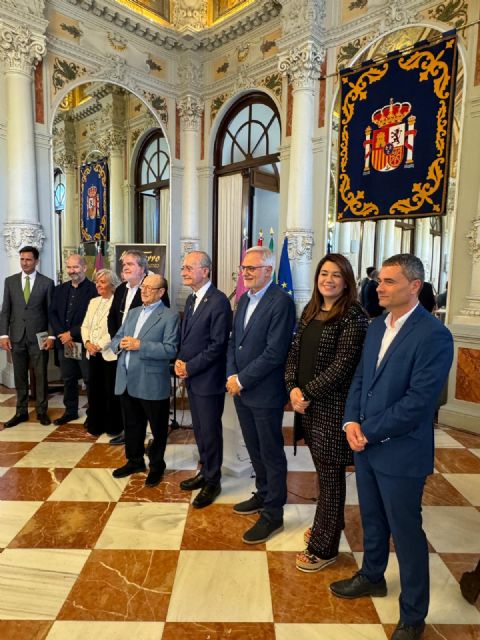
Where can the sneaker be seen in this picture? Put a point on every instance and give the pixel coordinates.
(247, 507)
(310, 563)
(262, 530)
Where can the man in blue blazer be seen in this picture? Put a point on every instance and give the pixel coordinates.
(146, 342)
(257, 351)
(201, 364)
(26, 299)
(69, 305)
(389, 425)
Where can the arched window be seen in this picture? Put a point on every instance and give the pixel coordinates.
(59, 191)
(247, 182)
(152, 181)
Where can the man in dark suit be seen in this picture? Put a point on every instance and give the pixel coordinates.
(370, 296)
(389, 425)
(201, 364)
(26, 299)
(146, 342)
(127, 296)
(67, 311)
(257, 351)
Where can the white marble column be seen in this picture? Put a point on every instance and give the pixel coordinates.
(117, 222)
(20, 50)
(473, 299)
(301, 65)
(190, 108)
(70, 217)
(389, 240)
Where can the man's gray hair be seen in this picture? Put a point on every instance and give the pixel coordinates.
(267, 256)
(110, 276)
(203, 258)
(411, 266)
(139, 256)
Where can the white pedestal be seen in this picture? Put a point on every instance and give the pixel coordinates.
(236, 461)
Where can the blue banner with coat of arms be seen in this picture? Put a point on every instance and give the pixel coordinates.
(395, 130)
(94, 185)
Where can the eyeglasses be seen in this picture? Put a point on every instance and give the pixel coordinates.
(146, 287)
(251, 270)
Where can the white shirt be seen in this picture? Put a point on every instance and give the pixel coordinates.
(31, 277)
(201, 294)
(131, 291)
(391, 332)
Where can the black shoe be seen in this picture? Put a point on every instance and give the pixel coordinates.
(154, 478)
(207, 495)
(67, 417)
(128, 469)
(262, 530)
(120, 439)
(359, 586)
(17, 419)
(252, 505)
(43, 419)
(197, 482)
(405, 632)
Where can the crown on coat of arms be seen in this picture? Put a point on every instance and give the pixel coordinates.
(392, 113)
(92, 191)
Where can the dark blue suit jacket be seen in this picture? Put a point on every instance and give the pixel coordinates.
(58, 309)
(395, 404)
(258, 352)
(204, 341)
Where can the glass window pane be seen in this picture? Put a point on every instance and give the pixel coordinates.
(258, 140)
(236, 122)
(150, 218)
(274, 137)
(242, 141)
(262, 112)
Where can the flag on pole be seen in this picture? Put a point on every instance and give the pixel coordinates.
(241, 288)
(98, 260)
(284, 272)
(260, 238)
(271, 246)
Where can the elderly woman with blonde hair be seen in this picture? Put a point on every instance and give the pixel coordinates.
(103, 406)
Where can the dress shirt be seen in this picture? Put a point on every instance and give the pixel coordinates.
(253, 303)
(31, 277)
(391, 332)
(131, 291)
(142, 318)
(200, 294)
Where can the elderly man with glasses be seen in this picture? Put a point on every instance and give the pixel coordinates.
(257, 351)
(145, 344)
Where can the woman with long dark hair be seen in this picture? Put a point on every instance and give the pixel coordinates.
(322, 360)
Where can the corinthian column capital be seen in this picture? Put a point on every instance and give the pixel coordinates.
(302, 65)
(190, 109)
(20, 48)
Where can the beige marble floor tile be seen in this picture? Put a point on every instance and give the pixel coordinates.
(288, 417)
(181, 456)
(105, 630)
(352, 495)
(140, 525)
(234, 489)
(6, 413)
(26, 432)
(90, 485)
(297, 518)
(476, 452)
(452, 529)
(468, 484)
(220, 576)
(35, 582)
(301, 462)
(329, 632)
(3, 470)
(444, 440)
(54, 455)
(6, 396)
(14, 515)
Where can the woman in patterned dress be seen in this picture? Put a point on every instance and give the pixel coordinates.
(322, 360)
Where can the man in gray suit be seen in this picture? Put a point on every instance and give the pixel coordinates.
(26, 299)
(146, 342)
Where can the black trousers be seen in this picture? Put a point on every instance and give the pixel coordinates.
(27, 354)
(104, 412)
(207, 425)
(329, 516)
(72, 370)
(136, 412)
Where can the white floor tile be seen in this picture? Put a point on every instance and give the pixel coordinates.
(352, 495)
(14, 515)
(181, 456)
(90, 485)
(445, 440)
(57, 455)
(61, 630)
(452, 529)
(26, 432)
(213, 595)
(329, 632)
(301, 462)
(140, 525)
(468, 484)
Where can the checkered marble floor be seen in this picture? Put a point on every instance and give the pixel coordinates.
(83, 555)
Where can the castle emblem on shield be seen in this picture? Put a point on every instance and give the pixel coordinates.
(393, 139)
(93, 203)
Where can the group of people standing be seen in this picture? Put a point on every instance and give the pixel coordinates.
(362, 391)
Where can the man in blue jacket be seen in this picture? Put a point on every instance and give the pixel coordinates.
(258, 348)
(389, 425)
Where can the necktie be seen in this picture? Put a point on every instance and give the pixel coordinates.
(191, 307)
(26, 291)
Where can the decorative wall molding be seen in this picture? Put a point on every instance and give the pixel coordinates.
(302, 65)
(20, 48)
(17, 234)
(300, 243)
(190, 75)
(190, 109)
(301, 17)
(190, 15)
(473, 237)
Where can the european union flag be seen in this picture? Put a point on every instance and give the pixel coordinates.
(284, 272)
